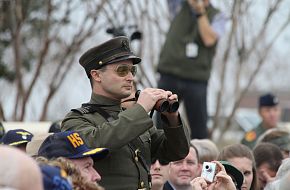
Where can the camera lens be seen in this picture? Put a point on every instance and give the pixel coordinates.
(208, 169)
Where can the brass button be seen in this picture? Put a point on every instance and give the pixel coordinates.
(100, 62)
(136, 158)
(142, 184)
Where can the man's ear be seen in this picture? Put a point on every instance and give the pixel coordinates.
(95, 74)
(199, 168)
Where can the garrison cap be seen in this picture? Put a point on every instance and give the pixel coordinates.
(111, 51)
(16, 137)
(268, 100)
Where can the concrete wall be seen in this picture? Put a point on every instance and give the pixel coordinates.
(33, 127)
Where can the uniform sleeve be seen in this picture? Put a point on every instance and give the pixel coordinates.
(97, 132)
(171, 143)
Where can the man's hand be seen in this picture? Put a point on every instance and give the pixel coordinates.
(149, 96)
(199, 183)
(222, 179)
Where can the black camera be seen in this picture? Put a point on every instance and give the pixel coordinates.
(163, 105)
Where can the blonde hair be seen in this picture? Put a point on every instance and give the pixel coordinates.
(78, 181)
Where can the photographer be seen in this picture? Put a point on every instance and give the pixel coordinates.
(187, 54)
(222, 180)
(129, 134)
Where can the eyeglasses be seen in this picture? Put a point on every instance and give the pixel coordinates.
(123, 70)
(161, 162)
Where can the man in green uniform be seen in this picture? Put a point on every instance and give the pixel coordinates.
(270, 112)
(129, 134)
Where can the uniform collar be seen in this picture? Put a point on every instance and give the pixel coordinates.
(110, 104)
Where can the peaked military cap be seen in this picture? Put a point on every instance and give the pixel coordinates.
(111, 51)
(268, 100)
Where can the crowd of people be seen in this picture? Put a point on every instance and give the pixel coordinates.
(107, 144)
(63, 160)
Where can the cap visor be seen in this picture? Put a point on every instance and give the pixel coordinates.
(18, 143)
(98, 153)
(134, 58)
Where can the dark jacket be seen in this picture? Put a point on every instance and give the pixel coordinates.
(131, 138)
(167, 186)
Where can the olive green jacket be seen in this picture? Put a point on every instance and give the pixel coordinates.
(251, 137)
(126, 167)
(183, 30)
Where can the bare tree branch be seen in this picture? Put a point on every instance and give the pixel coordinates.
(224, 61)
(65, 62)
(43, 54)
(262, 57)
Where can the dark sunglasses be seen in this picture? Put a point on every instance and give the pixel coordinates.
(123, 70)
(162, 162)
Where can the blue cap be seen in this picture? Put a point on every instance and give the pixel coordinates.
(69, 144)
(54, 178)
(16, 137)
(268, 100)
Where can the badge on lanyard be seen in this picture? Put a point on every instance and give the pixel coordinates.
(191, 50)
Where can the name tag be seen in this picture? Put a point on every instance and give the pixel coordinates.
(191, 50)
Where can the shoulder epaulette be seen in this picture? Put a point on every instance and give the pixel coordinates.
(84, 110)
(92, 108)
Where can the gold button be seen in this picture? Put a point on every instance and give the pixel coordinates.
(100, 62)
(142, 184)
(136, 158)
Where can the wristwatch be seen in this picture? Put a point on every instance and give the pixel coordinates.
(197, 15)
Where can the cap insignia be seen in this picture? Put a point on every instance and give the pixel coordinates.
(75, 140)
(125, 45)
(23, 134)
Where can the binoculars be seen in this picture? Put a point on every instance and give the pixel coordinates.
(163, 105)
